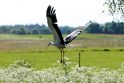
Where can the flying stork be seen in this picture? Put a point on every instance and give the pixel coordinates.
(59, 42)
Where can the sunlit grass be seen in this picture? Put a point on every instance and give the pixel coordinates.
(45, 59)
(38, 60)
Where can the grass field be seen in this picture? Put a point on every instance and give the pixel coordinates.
(98, 50)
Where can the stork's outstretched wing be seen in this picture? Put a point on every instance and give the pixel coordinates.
(52, 20)
(72, 36)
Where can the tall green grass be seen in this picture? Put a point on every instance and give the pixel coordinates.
(46, 59)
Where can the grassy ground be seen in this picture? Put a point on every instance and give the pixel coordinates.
(96, 50)
(39, 60)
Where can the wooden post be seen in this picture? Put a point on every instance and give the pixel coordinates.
(79, 61)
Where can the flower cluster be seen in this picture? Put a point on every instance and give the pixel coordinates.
(20, 72)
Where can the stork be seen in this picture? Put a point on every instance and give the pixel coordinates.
(59, 42)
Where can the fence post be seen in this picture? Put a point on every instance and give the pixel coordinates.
(79, 61)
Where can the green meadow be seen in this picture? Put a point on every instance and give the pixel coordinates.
(100, 50)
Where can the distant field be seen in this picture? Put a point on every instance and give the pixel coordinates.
(36, 42)
(98, 50)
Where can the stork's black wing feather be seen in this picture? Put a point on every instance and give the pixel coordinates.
(52, 20)
(51, 13)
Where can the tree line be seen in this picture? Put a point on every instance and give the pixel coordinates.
(31, 29)
(94, 27)
(107, 28)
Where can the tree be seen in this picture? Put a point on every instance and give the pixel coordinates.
(120, 28)
(14, 31)
(115, 6)
(21, 31)
(114, 27)
(4, 29)
(35, 32)
(94, 28)
(46, 31)
(107, 28)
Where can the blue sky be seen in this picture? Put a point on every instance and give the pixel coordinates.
(69, 12)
